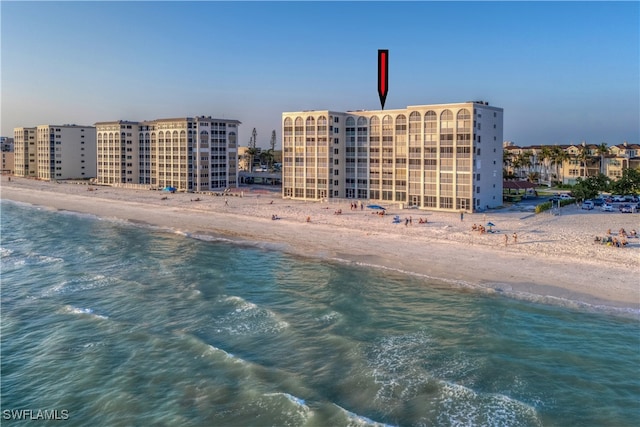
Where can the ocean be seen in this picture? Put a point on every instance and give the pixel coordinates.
(109, 323)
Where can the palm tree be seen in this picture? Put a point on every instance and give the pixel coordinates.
(527, 158)
(252, 150)
(507, 159)
(603, 149)
(517, 163)
(251, 154)
(559, 157)
(545, 157)
(583, 156)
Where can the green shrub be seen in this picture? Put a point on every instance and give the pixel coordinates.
(543, 207)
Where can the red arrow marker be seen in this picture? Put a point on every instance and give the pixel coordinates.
(383, 75)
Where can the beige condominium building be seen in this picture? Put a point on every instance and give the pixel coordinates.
(441, 157)
(24, 146)
(65, 152)
(188, 153)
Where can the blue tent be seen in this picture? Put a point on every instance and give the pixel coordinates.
(172, 189)
(376, 207)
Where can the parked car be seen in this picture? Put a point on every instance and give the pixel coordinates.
(565, 196)
(588, 205)
(631, 198)
(598, 202)
(607, 207)
(618, 199)
(626, 209)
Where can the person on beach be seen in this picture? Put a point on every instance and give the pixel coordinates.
(226, 202)
(506, 239)
(461, 216)
(515, 237)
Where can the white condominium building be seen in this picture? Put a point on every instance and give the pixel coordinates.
(196, 154)
(118, 152)
(65, 152)
(24, 140)
(441, 157)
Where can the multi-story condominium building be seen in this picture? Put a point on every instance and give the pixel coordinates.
(24, 145)
(6, 143)
(8, 162)
(65, 152)
(196, 154)
(8, 157)
(441, 157)
(118, 151)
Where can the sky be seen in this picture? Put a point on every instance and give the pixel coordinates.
(564, 72)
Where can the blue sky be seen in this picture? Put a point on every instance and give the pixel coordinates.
(563, 72)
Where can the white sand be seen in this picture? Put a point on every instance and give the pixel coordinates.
(554, 257)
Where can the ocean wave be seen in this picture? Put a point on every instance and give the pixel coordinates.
(356, 420)
(5, 252)
(459, 405)
(328, 318)
(69, 309)
(83, 283)
(246, 318)
(402, 368)
(503, 289)
(288, 409)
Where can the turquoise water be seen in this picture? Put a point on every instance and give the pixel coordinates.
(124, 325)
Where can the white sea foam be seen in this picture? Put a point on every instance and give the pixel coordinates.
(459, 405)
(359, 420)
(82, 311)
(330, 317)
(247, 319)
(83, 283)
(5, 252)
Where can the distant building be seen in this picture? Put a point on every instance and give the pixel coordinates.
(441, 157)
(195, 154)
(566, 163)
(8, 162)
(6, 143)
(8, 155)
(65, 152)
(25, 152)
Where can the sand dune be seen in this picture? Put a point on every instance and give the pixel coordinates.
(555, 255)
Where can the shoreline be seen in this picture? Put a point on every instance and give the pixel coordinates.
(555, 257)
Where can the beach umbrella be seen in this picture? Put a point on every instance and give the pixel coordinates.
(490, 224)
(376, 207)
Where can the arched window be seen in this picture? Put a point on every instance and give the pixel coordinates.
(446, 122)
(362, 121)
(322, 124)
(311, 125)
(299, 125)
(401, 123)
(350, 121)
(463, 121)
(375, 125)
(387, 125)
(430, 122)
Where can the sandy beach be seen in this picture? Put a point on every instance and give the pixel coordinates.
(555, 256)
